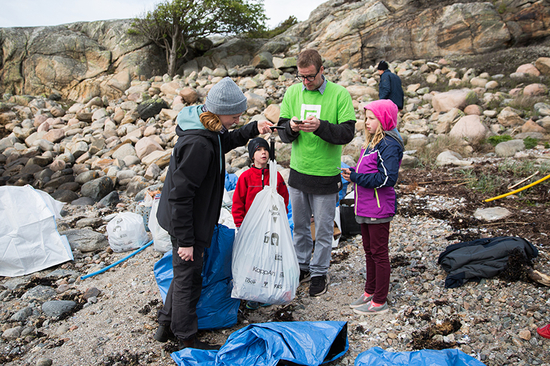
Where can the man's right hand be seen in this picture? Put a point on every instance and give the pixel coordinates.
(294, 126)
(186, 253)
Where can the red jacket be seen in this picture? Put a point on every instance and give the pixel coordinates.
(248, 186)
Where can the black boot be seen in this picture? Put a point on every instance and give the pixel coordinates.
(164, 333)
(195, 343)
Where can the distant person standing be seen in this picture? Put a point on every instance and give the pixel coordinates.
(390, 85)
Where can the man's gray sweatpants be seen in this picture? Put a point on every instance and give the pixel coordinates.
(323, 207)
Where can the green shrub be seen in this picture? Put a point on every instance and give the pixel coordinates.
(488, 184)
(471, 97)
(497, 139)
(522, 169)
(530, 142)
(493, 104)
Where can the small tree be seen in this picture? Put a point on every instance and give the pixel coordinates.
(174, 25)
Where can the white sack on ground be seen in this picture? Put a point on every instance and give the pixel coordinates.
(29, 240)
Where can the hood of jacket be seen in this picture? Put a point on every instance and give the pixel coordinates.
(396, 136)
(189, 119)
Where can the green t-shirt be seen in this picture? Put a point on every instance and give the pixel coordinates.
(312, 155)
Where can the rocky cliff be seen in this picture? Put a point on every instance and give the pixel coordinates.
(83, 60)
(362, 32)
(76, 60)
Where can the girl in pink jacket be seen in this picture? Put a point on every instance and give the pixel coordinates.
(375, 201)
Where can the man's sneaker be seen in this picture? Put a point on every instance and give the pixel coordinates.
(368, 309)
(305, 276)
(318, 285)
(252, 305)
(360, 301)
(164, 333)
(195, 343)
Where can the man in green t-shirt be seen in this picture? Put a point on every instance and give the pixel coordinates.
(319, 118)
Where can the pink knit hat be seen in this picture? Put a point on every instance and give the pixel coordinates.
(386, 112)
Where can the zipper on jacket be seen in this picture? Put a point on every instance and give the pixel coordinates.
(377, 199)
(355, 197)
(221, 160)
(356, 194)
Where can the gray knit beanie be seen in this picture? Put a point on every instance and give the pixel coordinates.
(225, 98)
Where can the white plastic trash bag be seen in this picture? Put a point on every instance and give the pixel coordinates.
(226, 218)
(161, 238)
(29, 240)
(126, 232)
(265, 268)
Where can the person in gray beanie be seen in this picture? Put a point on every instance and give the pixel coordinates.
(191, 201)
(225, 98)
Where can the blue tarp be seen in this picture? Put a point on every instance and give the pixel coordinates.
(304, 343)
(216, 309)
(376, 356)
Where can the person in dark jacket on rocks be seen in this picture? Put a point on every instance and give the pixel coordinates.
(191, 200)
(390, 85)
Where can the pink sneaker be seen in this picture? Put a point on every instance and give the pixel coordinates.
(544, 331)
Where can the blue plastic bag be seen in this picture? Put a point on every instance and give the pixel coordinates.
(304, 343)
(376, 356)
(344, 189)
(230, 181)
(215, 309)
(289, 215)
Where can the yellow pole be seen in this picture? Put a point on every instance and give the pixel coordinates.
(518, 190)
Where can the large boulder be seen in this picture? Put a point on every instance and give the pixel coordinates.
(151, 108)
(77, 60)
(509, 118)
(543, 65)
(98, 188)
(234, 52)
(509, 148)
(444, 102)
(469, 127)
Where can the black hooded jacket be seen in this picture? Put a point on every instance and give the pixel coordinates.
(192, 195)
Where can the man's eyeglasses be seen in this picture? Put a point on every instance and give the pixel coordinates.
(309, 78)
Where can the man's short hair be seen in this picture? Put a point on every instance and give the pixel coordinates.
(383, 65)
(309, 57)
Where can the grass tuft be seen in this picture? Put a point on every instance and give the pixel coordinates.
(428, 154)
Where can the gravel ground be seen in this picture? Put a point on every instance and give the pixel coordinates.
(492, 320)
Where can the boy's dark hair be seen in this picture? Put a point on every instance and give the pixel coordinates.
(309, 57)
(255, 144)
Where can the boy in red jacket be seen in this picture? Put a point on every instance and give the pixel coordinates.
(250, 183)
(253, 180)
